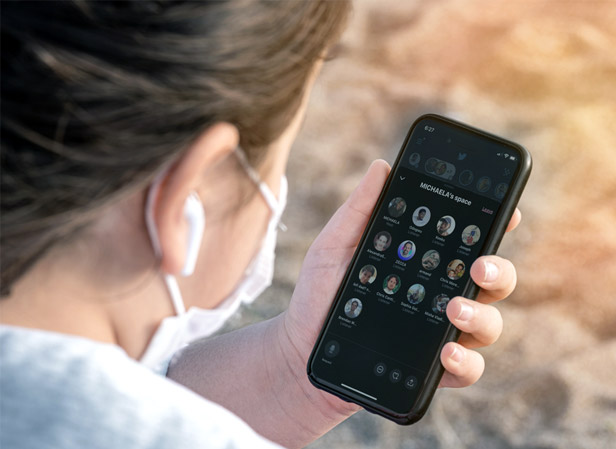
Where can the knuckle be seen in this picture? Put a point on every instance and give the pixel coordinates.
(495, 328)
(488, 324)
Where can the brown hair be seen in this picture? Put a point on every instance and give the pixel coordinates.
(97, 96)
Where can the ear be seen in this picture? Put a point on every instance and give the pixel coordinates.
(184, 177)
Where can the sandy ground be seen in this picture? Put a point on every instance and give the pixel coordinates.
(542, 73)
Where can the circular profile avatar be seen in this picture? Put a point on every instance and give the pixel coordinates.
(367, 274)
(466, 177)
(430, 260)
(445, 225)
(471, 235)
(391, 284)
(382, 241)
(440, 168)
(396, 207)
(421, 216)
(500, 190)
(352, 308)
(414, 159)
(431, 164)
(455, 269)
(484, 183)
(439, 303)
(406, 250)
(416, 293)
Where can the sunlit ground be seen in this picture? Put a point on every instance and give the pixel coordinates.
(542, 73)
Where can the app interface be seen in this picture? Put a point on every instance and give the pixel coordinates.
(390, 316)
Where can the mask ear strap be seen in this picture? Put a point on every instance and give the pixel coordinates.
(175, 294)
(268, 195)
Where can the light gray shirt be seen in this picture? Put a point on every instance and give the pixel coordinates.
(61, 391)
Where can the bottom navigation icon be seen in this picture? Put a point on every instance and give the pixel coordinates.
(380, 369)
(410, 382)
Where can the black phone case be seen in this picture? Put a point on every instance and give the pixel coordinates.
(493, 241)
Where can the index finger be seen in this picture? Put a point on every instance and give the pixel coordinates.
(515, 220)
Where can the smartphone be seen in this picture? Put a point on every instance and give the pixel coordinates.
(447, 201)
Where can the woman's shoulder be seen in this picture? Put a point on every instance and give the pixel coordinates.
(65, 391)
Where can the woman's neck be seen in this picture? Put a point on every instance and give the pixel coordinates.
(60, 295)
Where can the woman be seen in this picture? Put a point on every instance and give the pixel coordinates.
(390, 286)
(382, 241)
(120, 177)
(397, 207)
(366, 274)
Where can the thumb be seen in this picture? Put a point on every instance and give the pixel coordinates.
(345, 228)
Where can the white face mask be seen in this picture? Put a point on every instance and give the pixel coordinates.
(177, 331)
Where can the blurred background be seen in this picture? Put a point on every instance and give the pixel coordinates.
(542, 73)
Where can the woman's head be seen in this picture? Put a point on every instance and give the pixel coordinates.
(392, 282)
(381, 241)
(366, 274)
(98, 97)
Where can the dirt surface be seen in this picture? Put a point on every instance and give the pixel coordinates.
(542, 73)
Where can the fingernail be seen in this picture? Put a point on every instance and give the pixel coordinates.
(466, 312)
(457, 355)
(491, 272)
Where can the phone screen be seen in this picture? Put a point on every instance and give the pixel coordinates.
(389, 319)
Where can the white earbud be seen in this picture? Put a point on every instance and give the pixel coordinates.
(193, 213)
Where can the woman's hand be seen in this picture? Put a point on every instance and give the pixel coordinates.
(259, 371)
(326, 263)
(481, 323)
